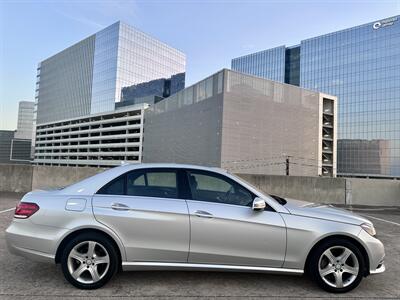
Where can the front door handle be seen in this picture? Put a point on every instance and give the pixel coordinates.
(119, 206)
(203, 214)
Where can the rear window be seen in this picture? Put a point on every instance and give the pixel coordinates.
(115, 187)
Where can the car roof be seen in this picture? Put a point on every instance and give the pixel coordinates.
(133, 166)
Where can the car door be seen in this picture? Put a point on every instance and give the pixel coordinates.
(226, 230)
(144, 208)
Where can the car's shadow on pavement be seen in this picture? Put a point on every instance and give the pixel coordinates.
(47, 280)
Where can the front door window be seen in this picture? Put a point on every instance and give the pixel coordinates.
(206, 186)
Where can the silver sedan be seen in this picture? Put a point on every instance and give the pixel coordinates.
(168, 216)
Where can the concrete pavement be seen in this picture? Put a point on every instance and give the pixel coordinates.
(21, 278)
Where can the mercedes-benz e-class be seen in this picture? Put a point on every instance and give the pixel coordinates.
(168, 216)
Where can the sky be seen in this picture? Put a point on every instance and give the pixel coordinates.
(211, 33)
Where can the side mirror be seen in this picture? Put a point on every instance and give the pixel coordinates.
(258, 204)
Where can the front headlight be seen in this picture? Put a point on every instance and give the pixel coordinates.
(369, 228)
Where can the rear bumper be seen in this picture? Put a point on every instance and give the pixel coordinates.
(31, 254)
(33, 241)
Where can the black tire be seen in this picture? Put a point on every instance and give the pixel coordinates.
(101, 243)
(314, 261)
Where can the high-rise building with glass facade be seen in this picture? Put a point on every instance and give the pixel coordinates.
(88, 77)
(25, 120)
(24, 135)
(151, 91)
(361, 66)
(255, 63)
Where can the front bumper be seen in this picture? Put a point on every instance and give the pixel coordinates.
(375, 251)
(380, 269)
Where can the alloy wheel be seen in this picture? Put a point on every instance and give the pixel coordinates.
(88, 262)
(338, 266)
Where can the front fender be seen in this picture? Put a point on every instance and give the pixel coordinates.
(303, 233)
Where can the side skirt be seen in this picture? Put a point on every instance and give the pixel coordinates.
(148, 266)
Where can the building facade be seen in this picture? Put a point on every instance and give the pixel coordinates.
(244, 124)
(100, 140)
(359, 151)
(361, 66)
(14, 150)
(255, 63)
(25, 120)
(88, 77)
(152, 91)
(6, 137)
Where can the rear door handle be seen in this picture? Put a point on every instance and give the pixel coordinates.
(203, 214)
(119, 206)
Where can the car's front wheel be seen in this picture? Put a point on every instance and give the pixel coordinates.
(89, 261)
(337, 266)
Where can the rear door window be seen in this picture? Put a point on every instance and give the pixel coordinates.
(157, 183)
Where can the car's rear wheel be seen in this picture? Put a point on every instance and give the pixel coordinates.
(337, 266)
(89, 261)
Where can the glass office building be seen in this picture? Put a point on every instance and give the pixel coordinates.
(25, 120)
(151, 91)
(255, 63)
(361, 66)
(88, 77)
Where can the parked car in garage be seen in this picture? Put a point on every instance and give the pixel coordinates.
(183, 217)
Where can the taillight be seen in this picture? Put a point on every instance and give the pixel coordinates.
(25, 210)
